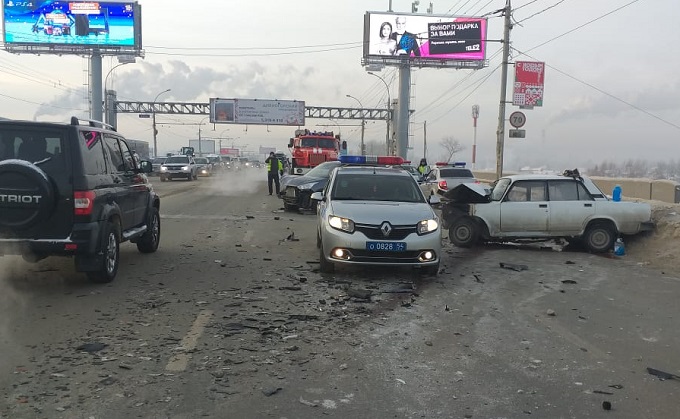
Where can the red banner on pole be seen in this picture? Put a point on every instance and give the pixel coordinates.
(528, 87)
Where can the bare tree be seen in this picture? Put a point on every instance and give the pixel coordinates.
(452, 146)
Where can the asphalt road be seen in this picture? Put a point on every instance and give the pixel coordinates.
(231, 319)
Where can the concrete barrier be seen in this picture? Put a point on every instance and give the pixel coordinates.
(649, 189)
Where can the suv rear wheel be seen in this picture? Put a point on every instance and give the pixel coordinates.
(108, 264)
(148, 243)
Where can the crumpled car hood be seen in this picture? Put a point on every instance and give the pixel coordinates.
(469, 193)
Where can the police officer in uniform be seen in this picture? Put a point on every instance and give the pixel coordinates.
(274, 168)
(422, 168)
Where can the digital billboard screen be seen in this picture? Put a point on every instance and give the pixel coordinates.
(424, 37)
(257, 111)
(72, 23)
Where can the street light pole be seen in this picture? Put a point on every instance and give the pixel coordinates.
(155, 131)
(389, 111)
(200, 153)
(106, 96)
(363, 125)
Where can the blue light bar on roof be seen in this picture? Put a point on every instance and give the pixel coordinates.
(382, 160)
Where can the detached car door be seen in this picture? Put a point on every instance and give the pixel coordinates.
(571, 206)
(525, 209)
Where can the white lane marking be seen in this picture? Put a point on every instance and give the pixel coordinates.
(180, 361)
(249, 235)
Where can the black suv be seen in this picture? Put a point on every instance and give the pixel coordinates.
(74, 190)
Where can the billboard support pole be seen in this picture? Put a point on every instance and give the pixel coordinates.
(96, 102)
(500, 133)
(401, 148)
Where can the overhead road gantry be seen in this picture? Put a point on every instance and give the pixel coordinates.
(189, 108)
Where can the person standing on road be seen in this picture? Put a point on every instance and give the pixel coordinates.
(422, 168)
(274, 168)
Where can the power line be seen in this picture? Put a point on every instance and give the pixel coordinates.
(605, 92)
(524, 5)
(542, 11)
(583, 25)
(482, 8)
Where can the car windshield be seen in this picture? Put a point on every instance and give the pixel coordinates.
(499, 189)
(375, 187)
(323, 170)
(412, 170)
(214, 159)
(177, 159)
(201, 160)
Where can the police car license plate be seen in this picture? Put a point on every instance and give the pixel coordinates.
(386, 246)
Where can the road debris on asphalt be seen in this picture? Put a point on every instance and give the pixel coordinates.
(513, 266)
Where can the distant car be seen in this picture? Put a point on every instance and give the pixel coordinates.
(296, 191)
(541, 207)
(376, 216)
(203, 166)
(216, 161)
(178, 167)
(156, 165)
(446, 176)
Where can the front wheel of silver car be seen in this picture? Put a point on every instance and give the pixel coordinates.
(464, 232)
(599, 238)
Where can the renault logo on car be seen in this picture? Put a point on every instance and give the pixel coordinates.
(386, 229)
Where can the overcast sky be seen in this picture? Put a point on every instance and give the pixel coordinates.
(612, 87)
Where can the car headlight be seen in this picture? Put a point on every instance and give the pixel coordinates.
(344, 224)
(185, 168)
(306, 186)
(164, 169)
(427, 226)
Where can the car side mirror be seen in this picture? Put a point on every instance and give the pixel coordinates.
(146, 166)
(434, 199)
(317, 196)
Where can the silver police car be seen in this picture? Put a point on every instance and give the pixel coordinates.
(376, 216)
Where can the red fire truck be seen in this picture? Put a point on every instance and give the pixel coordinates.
(310, 148)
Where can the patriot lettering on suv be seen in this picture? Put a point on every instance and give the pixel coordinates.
(74, 190)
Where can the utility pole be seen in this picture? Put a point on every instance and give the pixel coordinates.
(475, 115)
(425, 140)
(500, 133)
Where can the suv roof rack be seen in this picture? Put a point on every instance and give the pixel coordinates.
(91, 122)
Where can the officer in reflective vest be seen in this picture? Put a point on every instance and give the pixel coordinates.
(274, 167)
(422, 168)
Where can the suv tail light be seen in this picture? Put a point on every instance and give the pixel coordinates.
(443, 185)
(83, 201)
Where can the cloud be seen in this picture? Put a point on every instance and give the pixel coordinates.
(656, 99)
(191, 84)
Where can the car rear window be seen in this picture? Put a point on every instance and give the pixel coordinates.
(44, 147)
(456, 173)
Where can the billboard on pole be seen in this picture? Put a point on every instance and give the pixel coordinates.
(425, 40)
(257, 111)
(529, 80)
(76, 26)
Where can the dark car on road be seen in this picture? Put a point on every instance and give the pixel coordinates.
(296, 190)
(74, 190)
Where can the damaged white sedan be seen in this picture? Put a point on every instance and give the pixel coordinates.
(541, 207)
